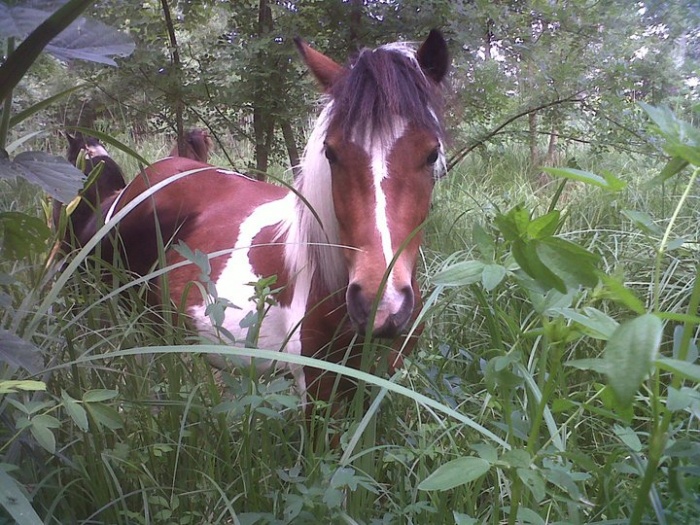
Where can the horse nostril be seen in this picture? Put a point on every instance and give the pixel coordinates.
(395, 323)
(391, 317)
(358, 306)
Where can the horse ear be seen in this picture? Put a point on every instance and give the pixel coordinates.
(323, 68)
(433, 56)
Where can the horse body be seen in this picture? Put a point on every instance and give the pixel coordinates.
(343, 246)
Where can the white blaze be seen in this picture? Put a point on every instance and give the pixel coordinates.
(378, 150)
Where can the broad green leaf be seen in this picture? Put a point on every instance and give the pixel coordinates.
(573, 264)
(529, 517)
(552, 300)
(10, 386)
(690, 153)
(455, 473)
(464, 519)
(608, 182)
(492, 276)
(534, 482)
(674, 244)
(643, 221)
(682, 139)
(485, 451)
(526, 256)
(562, 479)
(681, 368)
(104, 415)
(19, 353)
(521, 219)
(18, 63)
(40, 428)
(544, 226)
(22, 234)
(618, 292)
(499, 373)
(333, 498)
(484, 242)
(99, 395)
(673, 167)
(595, 364)
(681, 399)
(666, 122)
(614, 184)
(344, 477)
(75, 411)
(629, 437)
(85, 38)
(55, 175)
(630, 353)
(513, 225)
(516, 457)
(594, 323)
(15, 502)
(459, 274)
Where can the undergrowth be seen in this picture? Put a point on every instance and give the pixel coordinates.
(505, 413)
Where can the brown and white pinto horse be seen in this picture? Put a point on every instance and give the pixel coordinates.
(343, 245)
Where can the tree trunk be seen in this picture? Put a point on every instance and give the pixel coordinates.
(488, 40)
(175, 60)
(532, 140)
(263, 127)
(263, 121)
(551, 159)
(291, 144)
(355, 23)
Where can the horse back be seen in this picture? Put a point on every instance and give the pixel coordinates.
(203, 209)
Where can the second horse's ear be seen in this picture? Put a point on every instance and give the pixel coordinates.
(433, 56)
(325, 69)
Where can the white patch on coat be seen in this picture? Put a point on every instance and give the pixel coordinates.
(95, 150)
(279, 329)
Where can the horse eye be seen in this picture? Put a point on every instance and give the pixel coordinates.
(432, 158)
(330, 155)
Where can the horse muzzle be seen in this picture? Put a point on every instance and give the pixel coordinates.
(388, 318)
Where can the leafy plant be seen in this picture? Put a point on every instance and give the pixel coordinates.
(559, 278)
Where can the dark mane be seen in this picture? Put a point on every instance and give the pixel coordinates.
(379, 86)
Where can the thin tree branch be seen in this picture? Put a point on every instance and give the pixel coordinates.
(464, 151)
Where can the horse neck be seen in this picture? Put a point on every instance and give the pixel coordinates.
(312, 245)
(111, 178)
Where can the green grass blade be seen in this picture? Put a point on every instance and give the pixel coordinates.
(311, 362)
(25, 114)
(19, 62)
(15, 502)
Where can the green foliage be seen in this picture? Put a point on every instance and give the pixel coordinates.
(557, 377)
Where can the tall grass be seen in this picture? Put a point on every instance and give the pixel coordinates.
(160, 437)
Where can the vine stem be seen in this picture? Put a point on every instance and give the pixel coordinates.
(659, 434)
(664, 240)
